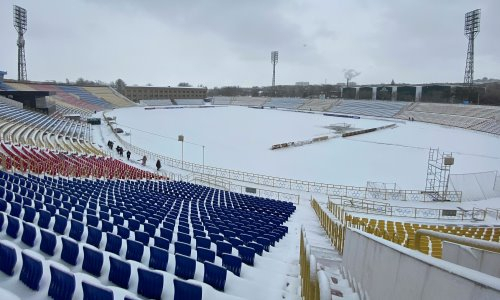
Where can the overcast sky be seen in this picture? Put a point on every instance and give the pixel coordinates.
(228, 42)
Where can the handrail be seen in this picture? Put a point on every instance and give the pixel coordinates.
(474, 243)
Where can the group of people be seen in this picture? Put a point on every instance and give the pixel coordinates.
(158, 163)
(119, 149)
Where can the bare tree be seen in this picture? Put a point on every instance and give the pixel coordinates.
(350, 74)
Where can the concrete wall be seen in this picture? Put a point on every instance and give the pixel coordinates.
(383, 270)
(476, 259)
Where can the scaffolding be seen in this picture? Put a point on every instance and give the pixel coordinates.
(438, 174)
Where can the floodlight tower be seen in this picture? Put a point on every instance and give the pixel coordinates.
(21, 25)
(274, 61)
(471, 30)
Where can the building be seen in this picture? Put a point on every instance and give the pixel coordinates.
(136, 93)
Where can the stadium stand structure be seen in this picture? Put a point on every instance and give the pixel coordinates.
(189, 101)
(384, 109)
(289, 103)
(156, 102)
(164, 236)
(319, 104)
(110, 95)
(248, 101)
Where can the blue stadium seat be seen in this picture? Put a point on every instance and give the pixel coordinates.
(92, 292)
(69, 251)
(75, 215)
(223, 247)
(246, 238)
(29, 234)
(135, 250)
(133, 224)
(94, 236)
(76, 230)
(8, 259)
(119, 272)
(232, 263)
(92, 261)
(31, 272)
(60, 224)
(142, 237)
(51, 208)
(215, 276)
(186, 291)
(106, 226)
(3, 205)
(204, 254)
(44, 218)
(184, 238)
(166, 233)
(182, 248)
(15, 209)
(118, 220)
(183, 229)
(12, 227)
(184, 266)
(150, 284)
(150, 229)
(215, 237)
(235, 242)
(62, 284)
(29, 214)
(2, 219)
(63, 211)
(257, 247)
(158, 259)
(114, 243)
(198, 233)
(247, 254)
(162, 242)
(92, 220)
(203, 242)
(48, 243)
(123, 232)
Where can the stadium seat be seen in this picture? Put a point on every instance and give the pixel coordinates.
(76, 215)
(202, 242)
(205, 255)
(223, 247)
(92, 261)
(232, 263)
(8, 259)
(142, 237)
(182, 248)
(158, 259)
(31, 272)
(162, 242)
(29, 234)
(92, 292)
(29, 214)
(123, 232)
(257, 247)
(198, 233)
(166, 233)
(246, 238)
(3, 205)
(62, 284)
(184, 290)
(215, 276)
(76, 230)
(94, 236)
(69, 251)
(2, 220)
(184, 266)
(106, 226)
(60, 224)
(15, 209)
(247, 254)
(133, 224)
(134, 250)
(92, 220)
(235, 242)
(150, 229)
(44, 219)
(183, 229)
(12, 227)
(119, 272)
(113, 244)
(48, 243)
(150, 284)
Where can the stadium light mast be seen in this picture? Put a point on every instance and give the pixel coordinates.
(21, 25)
(471, 30)
(274, 61)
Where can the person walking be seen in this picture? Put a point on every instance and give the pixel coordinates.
(128, 154)
(158, 165)
(144, 159)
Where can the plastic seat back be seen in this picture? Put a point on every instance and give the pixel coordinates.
(92, 261)
(184, 266)
(44, 218)
(8, 259)
(162, 242)
(166, 233)
(119, 272)
(48, 242)
(150, 284)
(15, 209)
(182, 248)
(31, 272)
(158, 259)
(142, 237)
(62, 284)
(247, 254)
(94, 236)
(29, 234)
(60, 224)
(69, 251)
(133, 224)
(205, 255)
(29, 214)
(202, 242)
(150, 229)
(123, 232)
(76, 230)
(92, 220)
(113, 244)
(215, 276)
(257, 247)
(92, 292)
(232, 263)
(223, 247)
(134, 250)
(185, 290)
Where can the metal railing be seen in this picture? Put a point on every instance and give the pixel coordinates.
(286, 183)
(310, 275)
(334, 229)
(466, 241)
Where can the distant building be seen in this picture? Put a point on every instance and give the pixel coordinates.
(302, 83)
(137, 93)
(2, 74)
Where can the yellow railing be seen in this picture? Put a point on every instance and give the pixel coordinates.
(474, 243)
(334, 229)
(310, 274)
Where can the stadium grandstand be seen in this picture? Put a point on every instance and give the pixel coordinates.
(80, 221)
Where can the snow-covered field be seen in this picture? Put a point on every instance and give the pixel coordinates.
(240, 138)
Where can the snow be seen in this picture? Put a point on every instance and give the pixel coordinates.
(240, 138)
